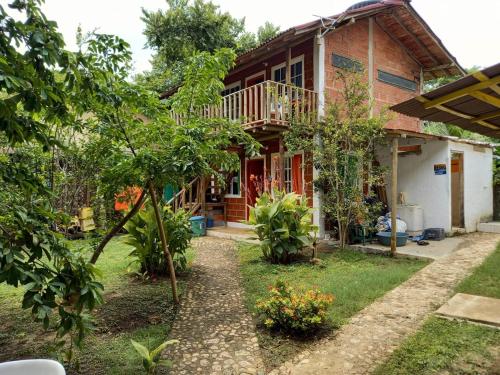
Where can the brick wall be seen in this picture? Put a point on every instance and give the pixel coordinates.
(352, 41)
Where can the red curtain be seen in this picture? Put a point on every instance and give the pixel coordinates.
(297, 173)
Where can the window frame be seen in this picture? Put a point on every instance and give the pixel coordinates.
(232, 86)
(290, 156)
(293, 61)
(231, 195)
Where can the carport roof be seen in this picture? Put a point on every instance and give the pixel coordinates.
(472, 103)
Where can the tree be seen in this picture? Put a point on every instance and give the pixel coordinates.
(43, 86)
(266, 32)
(149, 149)
(342, 145)
(189, 27)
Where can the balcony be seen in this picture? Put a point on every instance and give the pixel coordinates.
(266, 106)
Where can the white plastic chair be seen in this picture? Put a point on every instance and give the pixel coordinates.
(32, 367)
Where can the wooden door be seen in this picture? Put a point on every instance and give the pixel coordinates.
(457, 190)
(254, 181)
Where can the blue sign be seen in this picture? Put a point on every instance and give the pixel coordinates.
(439, 169)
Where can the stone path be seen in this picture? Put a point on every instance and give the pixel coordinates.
(215, 330)
(380, 328)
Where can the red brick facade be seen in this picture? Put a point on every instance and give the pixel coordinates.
(352, 41)
(349, 41)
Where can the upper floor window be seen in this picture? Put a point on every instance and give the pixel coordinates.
(231, 88)
(296, 72)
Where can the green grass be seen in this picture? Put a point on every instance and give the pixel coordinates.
(133, 309)
(355, 280)
(485, 280)
(457, 347)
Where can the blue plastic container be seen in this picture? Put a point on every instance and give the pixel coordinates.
(210, 222)
(384, 238)
(198, 227)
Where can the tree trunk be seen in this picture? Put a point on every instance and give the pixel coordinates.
(164, 243)
(117, 227)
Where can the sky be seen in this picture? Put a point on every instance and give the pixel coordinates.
(469, 29)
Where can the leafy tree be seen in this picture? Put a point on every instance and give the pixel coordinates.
(147, 148)
(189, 27)
(266, 32)
(342, 145)
(44, 86)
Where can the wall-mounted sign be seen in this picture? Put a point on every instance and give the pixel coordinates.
(439, 169)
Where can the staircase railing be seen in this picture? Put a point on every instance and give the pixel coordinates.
(190, 198)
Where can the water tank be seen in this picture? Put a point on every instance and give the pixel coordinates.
(412, 215)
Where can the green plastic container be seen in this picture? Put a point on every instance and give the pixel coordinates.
(384, 238)
(198, 226)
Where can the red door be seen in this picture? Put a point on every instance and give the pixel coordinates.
(255, 180)
(254, 98)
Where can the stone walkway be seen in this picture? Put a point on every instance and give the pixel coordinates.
(215, 331)
(376, 331)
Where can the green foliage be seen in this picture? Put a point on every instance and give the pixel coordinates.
(43, 88)
(294, 311)
(143, 236)
(283, 225)
(343, 151)
(189, 27)
(151, 359)
(441, 345)
(485, 280)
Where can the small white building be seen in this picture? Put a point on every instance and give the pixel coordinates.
(449, 178)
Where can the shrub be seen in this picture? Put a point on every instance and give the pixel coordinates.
(144, 237)
(290, 310)
(283, 224)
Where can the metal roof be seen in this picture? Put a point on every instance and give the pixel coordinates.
(472, 103)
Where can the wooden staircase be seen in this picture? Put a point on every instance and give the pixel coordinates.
(190, 198)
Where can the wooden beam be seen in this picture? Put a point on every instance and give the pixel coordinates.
(288, 72)
(415, 38)
(487, 98)
(487, 116)
(396, 40)
(480, 76)
(281, 164)
(439, 67)
(394, 193)
(462, 92)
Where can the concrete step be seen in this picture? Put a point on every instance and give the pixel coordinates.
(491, 227)
(478, 309)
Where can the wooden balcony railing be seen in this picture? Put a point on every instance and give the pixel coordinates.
(266, 103)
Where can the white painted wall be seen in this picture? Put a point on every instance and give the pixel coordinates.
(432, 192)
(478, 186)
(421, 186)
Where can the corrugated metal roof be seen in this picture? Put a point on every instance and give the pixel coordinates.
(464, 106)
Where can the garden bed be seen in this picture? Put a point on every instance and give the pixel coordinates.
(136, 309)
(355, 279)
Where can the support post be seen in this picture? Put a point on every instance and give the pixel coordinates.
(281, 163)
(394, 193)
(288, 72)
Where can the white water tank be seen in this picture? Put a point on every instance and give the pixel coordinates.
(412, 215)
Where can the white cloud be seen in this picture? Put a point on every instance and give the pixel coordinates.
(468, 30)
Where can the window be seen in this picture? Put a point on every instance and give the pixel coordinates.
(296, 74)
(397, 81)
(234, 182)
(296, 69)
(343, 62)
(230, 89)
(288, 174)
(292, 174)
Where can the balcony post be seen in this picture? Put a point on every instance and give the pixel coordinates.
(288, 72)
(281, 163)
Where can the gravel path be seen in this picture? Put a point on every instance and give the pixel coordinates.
(376, 331)
(215, 330)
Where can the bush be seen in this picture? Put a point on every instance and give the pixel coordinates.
(289, 310)
(144, 237)
(283, 224)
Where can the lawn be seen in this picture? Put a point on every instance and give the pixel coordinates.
(134, 309)
(451, 346)
(355, 279)
(485, 280)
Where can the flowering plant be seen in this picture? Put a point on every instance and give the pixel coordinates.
(287, 309)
